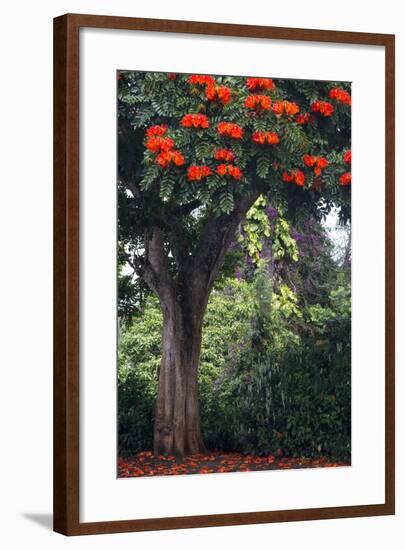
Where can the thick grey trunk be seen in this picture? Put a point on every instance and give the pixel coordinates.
(177, 420)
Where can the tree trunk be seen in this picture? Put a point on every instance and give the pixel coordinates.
(183, 300)
(177, 420)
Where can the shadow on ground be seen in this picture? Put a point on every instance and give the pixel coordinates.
(44, 520)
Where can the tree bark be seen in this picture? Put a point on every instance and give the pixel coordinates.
(177, 420)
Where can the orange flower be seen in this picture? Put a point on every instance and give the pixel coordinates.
(299, 178)
(348, 157)
(262, 83)
(177, 158)
(198, 172)
(321, 162)
(251, 101)
(170, 157)
(230, 129)
(323, 107)
(272, 138)
(197, 79)
(222, 169)
(145, 454)
(259, 137)
(171, 76)
(164, 158)
(265, 137)
(290, 108)
(195, 121)
(158, 144)
(218, 93)
(285, 107)
(295, 176)
(345, 179)
(235, 172)
(302, 118)
(340, 95)
(224, 154)
(286, 177)
(277, 108)
(258, 101)
(230, 170)
(158, 130)
(309, 160)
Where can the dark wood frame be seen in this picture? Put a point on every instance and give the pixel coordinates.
(66, 273)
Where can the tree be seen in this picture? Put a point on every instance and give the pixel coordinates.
(194, 154)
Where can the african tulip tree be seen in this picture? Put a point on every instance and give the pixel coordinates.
(195, 153)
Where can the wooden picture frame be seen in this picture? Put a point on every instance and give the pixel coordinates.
(67, 284)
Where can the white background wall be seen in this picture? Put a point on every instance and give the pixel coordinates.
(26, 273)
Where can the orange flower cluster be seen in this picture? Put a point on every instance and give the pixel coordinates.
(158, 144)
(157, 130)
(171, 76)
(348, 157)
(195, 121)
(318, 163)
(163, 145)
(345, 179)
(229, 170)
(295, 176)
(270, 138)
(201, 79)
(224, 154)
(258, 101)
(227, 156)
(218, 93)
(196, 173)
(323, 107)
(285, 107)
(165, 158)
(230, 129)
(262, 83)
(340, 95)
(145, 464)
(302, 118)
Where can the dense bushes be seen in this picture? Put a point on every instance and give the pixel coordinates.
(274, 374)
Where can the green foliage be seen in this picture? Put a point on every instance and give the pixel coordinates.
(136, 399)
(262, 165)
(285, 302)
(258, 230)
(138, 363)
(294, 393)
(272, 375)
(283, 242)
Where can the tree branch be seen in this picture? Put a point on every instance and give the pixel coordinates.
(155, 268)
(217, 236)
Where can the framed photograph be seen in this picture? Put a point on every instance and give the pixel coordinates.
(223, 274)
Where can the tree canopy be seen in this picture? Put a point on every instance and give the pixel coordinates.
(194, 149)
(204, 158)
